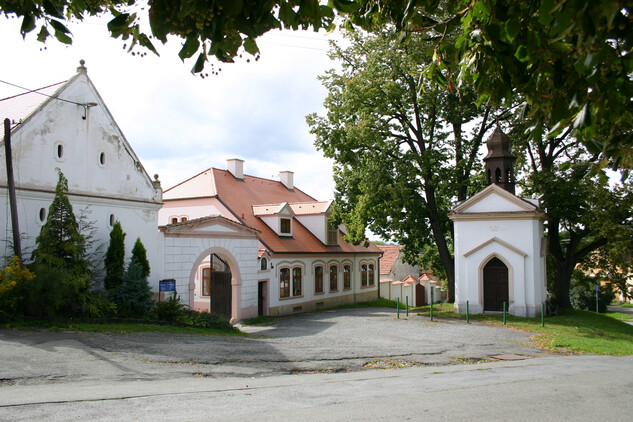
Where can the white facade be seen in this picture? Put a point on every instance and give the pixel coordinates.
(76, 134)
(497, 224)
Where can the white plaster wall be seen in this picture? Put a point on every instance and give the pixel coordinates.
(119, 186)
(184, 255)
(309, 263)
(526, 273)
(192, 209)
(317, 224)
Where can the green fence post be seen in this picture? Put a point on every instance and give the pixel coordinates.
(398, 307)
(407, 306)
(467, 313)
(504, 312)
(431, 310)
(542, 315)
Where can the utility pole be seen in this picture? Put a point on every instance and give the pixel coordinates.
(17, 248)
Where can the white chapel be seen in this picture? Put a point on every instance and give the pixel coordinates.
(499, 243)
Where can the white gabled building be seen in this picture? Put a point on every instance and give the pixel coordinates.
(67, 126)
(499, 243)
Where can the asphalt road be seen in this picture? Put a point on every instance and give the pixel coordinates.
(360, 364)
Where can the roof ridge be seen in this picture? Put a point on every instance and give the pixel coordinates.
(191, 178)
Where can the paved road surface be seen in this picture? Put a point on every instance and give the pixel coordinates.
(318, 366)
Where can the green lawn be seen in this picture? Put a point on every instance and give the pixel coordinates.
(576, 331)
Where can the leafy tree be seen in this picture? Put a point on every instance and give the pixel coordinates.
(134, 296)
(60, 249)
(400, 144)
(570, 59)
(115, 258)
(11, 279)
(140, 255)
(589, 217)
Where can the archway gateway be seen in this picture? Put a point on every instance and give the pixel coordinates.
(495, 285)
(216, 284)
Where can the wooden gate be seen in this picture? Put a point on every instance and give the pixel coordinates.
(221, 289)
(420, 295)
(495, 285)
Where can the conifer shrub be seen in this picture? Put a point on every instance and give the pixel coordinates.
(115, 258)
(139, 254)
(134, 296)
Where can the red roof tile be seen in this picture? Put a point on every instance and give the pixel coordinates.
(240, 195)
(389, 257)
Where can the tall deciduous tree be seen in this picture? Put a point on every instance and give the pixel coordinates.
(400, 144)
(589, 217)
(115, 258)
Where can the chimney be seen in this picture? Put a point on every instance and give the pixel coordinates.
(286, 177)
(236, 167)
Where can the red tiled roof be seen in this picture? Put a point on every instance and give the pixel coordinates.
(240, 196)
(389, 257)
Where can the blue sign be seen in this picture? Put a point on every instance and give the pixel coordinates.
(596, 288)
(167, 286)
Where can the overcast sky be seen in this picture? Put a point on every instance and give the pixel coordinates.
(180, 124)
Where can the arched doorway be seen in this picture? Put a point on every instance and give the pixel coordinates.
(495, 285)
(420, 295)
(216, 284)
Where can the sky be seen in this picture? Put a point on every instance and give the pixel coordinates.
(179, 124)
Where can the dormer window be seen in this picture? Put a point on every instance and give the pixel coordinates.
(332, 235)
(285, 226)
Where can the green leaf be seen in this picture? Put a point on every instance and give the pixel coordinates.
(522, 54)
(62, 37)
(187, 7)
(145, 42)
(345, 6)
(28, 24)
(545, 12)
(189, 48)
(512, 28)
(52, 10)
(43, 34)
(231, 7)
(58, 26)
(250, 45)
(119, 24)
(199, 66)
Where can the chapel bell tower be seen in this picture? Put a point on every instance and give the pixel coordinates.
(499, 161)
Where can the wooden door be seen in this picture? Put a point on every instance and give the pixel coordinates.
(420, 295)
(221, 294)
(495, 285)
(261, 297)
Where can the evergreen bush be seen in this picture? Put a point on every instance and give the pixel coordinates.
(115, 259)
(140, 255)
(134, 297)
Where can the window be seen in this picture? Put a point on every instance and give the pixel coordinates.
(42, 214)
(347, 277)
(363, 275)
(174, 220)
(332, 234)
(296, 281)
(60, 150)
(112, 220)
(284, 226)
(371, 274)
(284, 282)
(206, 281)
(333, 278)
(318, 279)
(102, 158)
(183, 219)
(264, 264)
